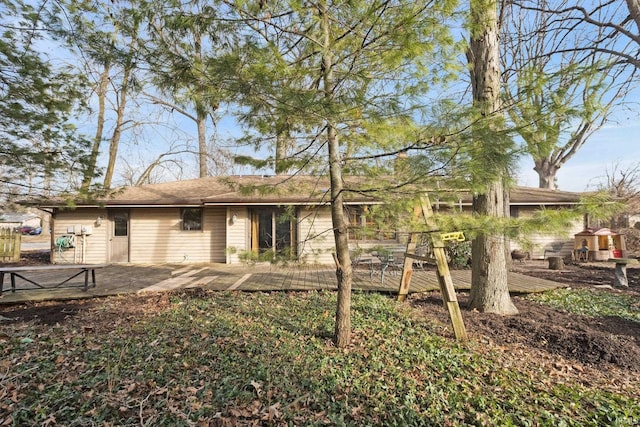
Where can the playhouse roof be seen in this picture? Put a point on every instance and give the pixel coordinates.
(598, 232)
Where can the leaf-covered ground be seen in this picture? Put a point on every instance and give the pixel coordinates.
(223, 359)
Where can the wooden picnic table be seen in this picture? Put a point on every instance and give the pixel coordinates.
(77, 270)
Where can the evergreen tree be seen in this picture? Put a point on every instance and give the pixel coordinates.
(189, 49)
(344, 83)
(40, 149)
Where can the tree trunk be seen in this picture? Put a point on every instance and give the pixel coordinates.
(101, 92)
(489, 290)
(283, 145)
(634, 11)
(556, 263)
(202, 142)
(128, 68)
(546, 174)
(201, 109)
(344, 272)
(117, 131)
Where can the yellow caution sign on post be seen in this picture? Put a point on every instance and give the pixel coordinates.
(458, 236)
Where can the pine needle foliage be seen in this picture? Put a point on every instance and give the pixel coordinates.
(386, 57)
(40, 147)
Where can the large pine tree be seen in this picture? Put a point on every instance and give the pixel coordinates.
(40, 150)
(348, 79)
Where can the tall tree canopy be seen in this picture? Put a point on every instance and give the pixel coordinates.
(614, 25)
(103, 36)
(191, 60)
(40, 149)
(559, 87)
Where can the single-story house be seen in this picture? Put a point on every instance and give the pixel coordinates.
(221, 220)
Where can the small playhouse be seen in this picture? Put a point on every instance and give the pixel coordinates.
(599, 244)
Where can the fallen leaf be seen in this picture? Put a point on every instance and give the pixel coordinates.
(274, 413)
(258, 387)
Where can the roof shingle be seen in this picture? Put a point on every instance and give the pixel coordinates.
(280, 189)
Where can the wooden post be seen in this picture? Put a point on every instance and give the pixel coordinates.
(620, 276)
(620, 279)
(407, 270)
(444, 275)
(556, 263)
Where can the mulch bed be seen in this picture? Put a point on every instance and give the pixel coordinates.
(603, 351)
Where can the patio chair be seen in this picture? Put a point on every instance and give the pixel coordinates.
(423, 251)
(384, 261)
(396, 261)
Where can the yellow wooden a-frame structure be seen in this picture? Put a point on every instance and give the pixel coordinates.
(443, 273)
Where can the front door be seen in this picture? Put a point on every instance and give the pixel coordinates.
(119, 236)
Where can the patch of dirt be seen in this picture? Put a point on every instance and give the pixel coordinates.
(580, 274)
(603, 351)
(47, 313)
(31, 258)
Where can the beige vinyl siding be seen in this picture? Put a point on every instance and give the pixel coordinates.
(89, 248)
(237, 233)
(315, 235)
(156, 236)
(542, 242)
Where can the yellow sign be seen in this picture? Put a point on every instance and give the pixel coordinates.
(458, 236)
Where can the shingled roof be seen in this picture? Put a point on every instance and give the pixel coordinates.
(279, 189)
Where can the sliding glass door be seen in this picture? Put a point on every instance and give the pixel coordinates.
(273, 230)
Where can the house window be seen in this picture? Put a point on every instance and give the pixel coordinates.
(514, 212)
(357, 222)
(121, 224)
(191, 219)
(362, 225)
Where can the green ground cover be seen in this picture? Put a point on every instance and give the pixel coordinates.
(591, 302)
(267, 359)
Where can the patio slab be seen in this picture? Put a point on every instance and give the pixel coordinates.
(129, 279)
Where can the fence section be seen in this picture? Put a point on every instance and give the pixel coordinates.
(9, 245)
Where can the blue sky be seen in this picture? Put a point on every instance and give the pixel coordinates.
(613, 144)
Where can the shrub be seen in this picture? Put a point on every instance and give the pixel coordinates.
(459, 254)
